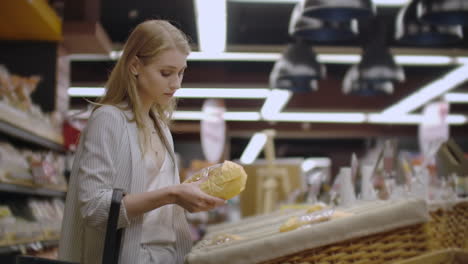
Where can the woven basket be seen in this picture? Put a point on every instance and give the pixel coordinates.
(447, 229)
(446, 256)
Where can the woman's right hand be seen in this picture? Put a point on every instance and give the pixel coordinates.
(193, 199)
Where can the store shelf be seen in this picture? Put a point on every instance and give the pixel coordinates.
(32, 245)
(14, 188)
(19, 125)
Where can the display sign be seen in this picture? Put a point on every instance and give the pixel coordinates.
(213, 129)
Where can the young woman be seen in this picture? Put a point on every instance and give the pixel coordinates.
(127, 144)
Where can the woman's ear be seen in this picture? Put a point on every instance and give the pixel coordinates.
(135, 66)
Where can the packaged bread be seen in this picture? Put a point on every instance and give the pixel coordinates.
(309, 219)
(224, 180)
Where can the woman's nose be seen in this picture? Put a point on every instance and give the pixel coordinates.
(176, 83)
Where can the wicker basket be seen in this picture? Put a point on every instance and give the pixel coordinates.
(446, 256)
(447, 229)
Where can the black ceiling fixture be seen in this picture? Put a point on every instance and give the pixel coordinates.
(444, 12)
(339, 10)
(377, 69)
(352, 84)
(410, 29)
(377, 62)
(317, 30)
(297, 70)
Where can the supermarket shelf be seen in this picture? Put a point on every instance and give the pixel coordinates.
(19, 125)
(32, 245)
(14, 188)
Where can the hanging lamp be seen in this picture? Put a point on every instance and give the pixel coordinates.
(377, 71)
(352, 84)
(444, 12)
(411, 30)
(297, 69)
(316, 30)
(339, 10)
(377, 62)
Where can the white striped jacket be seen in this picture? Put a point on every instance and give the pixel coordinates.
(108, 157)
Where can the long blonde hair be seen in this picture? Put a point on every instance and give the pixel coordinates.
(146, 42)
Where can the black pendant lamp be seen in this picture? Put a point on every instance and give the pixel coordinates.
(297, 69)
(411, 30)
(444, 12)
(316, 30)
(352, 84)
(339, 10)
(377, 63)
(377, 71)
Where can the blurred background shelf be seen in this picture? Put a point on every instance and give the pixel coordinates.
(19, 125)
(19, 189)
(26, 246)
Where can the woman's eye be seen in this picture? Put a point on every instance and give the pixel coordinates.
(165, 73)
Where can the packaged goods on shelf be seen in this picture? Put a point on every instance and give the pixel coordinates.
(32, 168)
(372, 231)
(17, 107)
(6, 220)
(13, 165)
(31, 220)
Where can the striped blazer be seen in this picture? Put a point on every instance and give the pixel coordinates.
(109, 156)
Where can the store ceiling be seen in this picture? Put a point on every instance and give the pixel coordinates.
(264, 27)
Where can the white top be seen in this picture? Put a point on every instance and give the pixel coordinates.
(157, 224)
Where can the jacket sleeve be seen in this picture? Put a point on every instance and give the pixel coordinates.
(97, 167)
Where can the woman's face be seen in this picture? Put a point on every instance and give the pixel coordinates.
(160, 79)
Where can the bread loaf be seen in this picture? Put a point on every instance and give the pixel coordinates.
(224, 180)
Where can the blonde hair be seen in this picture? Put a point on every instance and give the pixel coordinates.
(146, 42)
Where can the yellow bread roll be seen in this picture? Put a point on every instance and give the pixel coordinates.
(224, 181)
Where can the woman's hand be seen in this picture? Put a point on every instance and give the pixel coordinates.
(193, 199)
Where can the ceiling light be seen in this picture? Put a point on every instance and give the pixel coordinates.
(312, 29)
(86, 91)
(320, 117)
(297, 70)
(390, 2)
(339, 10)
(253, 149)
(421, 60)
(211, 25)
(244, 93)
(228, 116)
(233, 56)
(411, 30)
(275, 103)
(410, 119)
(228, 93)
(430, 91)
(454, 98)
(376, 2)
(444, 12)
(424, 60)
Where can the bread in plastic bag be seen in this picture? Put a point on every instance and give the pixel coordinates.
(224, 180)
